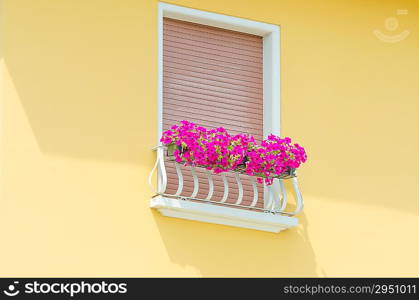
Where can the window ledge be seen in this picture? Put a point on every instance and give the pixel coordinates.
(210, 213)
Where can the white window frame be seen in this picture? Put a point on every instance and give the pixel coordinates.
(271, 64)
(271, 57)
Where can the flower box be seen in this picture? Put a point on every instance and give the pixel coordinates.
(289, 173)
(217, 150)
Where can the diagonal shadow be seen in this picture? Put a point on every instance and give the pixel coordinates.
(223, 251)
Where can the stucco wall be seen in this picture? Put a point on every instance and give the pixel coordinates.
(78, 120)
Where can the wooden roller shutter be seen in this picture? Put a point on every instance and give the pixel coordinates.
(212, 77)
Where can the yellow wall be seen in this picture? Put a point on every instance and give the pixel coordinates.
(78, 107)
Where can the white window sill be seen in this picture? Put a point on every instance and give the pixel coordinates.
(210, 213)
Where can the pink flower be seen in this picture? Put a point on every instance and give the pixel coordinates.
(217, 150)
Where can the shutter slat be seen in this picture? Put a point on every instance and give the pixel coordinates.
(221, 70)
(222, 51)
(194, 107)
(213, 85)
(204, 75)
(213, 62)
(214, 65)
(214, 58)
(213, 81)
(201, 89)
(208, 116)
(211, 42)
(178, 64)
(215, 31)
(231, 128)
(176, 95)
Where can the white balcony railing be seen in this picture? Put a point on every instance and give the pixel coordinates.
(274, 216)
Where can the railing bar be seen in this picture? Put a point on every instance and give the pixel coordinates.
(225, 203)
(299, 197)
(225, 195)
(284, 195)
(275, 197)
(180, 179)
(162, 175)
(240, 187)
(211, 185)
(195, 182)
(255, 191)
(267, 197)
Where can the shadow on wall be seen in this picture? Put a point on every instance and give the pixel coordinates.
(80, 78)
(287, 254)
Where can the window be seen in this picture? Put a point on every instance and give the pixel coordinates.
(216, 70)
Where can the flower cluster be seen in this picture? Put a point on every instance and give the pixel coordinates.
(274, 157)
(217, 150)
(214, 149)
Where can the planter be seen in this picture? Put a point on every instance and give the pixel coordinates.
(242, 166)
(173, 147)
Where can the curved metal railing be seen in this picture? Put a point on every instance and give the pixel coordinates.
(275, 196)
